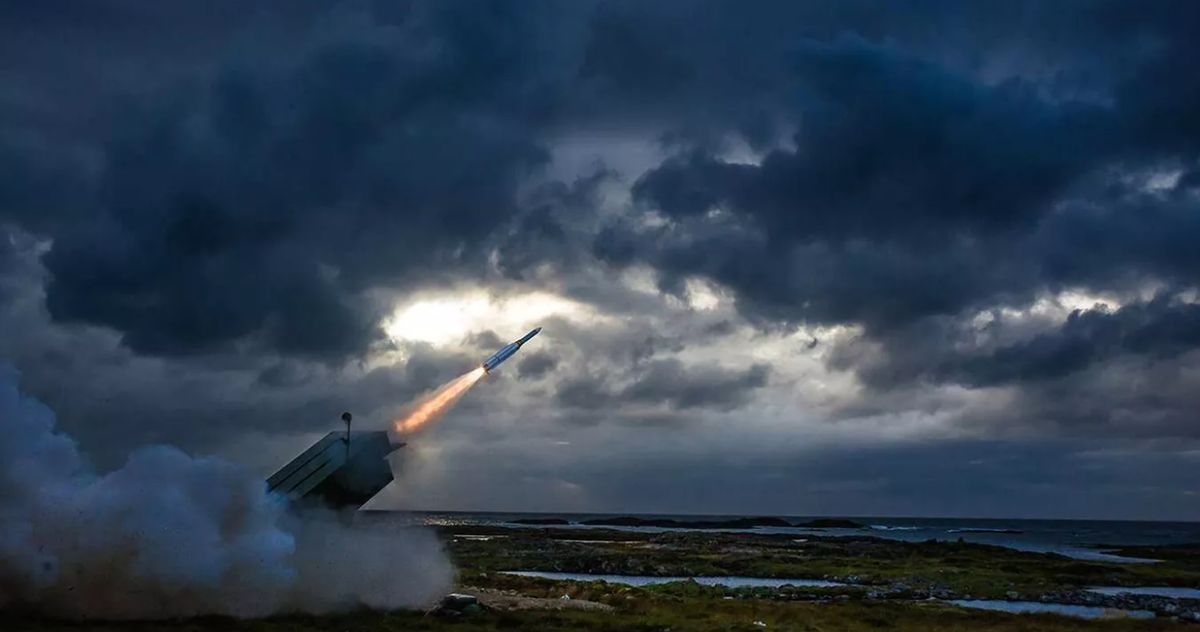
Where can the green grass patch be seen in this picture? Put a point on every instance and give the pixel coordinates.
(965, 568)
(652, 615)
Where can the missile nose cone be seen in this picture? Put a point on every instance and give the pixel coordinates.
(524, 339)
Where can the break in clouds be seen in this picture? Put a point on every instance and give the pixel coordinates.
(760, 236)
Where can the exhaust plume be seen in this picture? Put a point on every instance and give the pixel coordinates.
(170, 535)
(433, 406)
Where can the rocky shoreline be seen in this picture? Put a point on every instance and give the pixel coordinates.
(1185, 609)
(668, 523)
(868, 588)
(1169, 607)
(869, 569)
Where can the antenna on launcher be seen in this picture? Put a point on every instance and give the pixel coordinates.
(346, 417)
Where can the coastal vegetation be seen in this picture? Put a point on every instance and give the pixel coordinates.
(958, 569)
(880, 584)
(647, 612)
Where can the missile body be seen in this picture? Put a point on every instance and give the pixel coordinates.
(507, 351)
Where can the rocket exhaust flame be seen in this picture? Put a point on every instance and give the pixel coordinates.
(434, 405)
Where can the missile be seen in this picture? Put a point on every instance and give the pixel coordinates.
(507, 351)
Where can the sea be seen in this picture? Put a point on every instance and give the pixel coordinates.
(1080, 539)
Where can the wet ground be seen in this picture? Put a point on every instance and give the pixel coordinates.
(822, 569)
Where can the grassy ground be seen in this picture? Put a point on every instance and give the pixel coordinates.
(964, 568)
(654, 616)
(981, 571)
(1187, 555)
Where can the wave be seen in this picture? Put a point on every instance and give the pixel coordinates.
(982, 530)
(884, 527)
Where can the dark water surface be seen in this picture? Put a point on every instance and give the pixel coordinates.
(1081, 539)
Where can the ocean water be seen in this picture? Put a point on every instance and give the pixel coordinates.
(1081, 539)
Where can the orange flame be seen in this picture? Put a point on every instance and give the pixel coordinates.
(438, 402)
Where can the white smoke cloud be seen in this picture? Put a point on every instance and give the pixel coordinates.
(171, 535)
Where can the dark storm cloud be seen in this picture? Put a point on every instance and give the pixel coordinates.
(34, 178)
(111, 399)
(230, 187)
(1113, 239)
(999, 352)
(699, 70)
(922, 188)
(1002, 479)
(1132, 398)
(583, 392)
(894, 147)
(702, 387)
(486, 341)
(907, 195)
(623, 345)
(553, 229)
(258, 201)
(210, 237)
(669, 383)
(257, 204)
(1162, 329)
(536, 365)
(1159, 95)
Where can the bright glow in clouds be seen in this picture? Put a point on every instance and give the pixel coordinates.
(1062, 304)
(702, 295)
(1164, 181)
(1072, 300)
(1055, 307)
(447, 319)
(642, 279)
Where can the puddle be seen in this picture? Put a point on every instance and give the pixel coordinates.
(1156, 591)
(1022, 607)
(642, 580)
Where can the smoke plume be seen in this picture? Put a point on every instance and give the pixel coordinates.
(171, 535)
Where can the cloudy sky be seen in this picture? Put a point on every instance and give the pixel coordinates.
(791, 257)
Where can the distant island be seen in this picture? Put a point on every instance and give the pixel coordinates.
(831, 523)
(667, 523)
(733, 523)
(542, 521)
